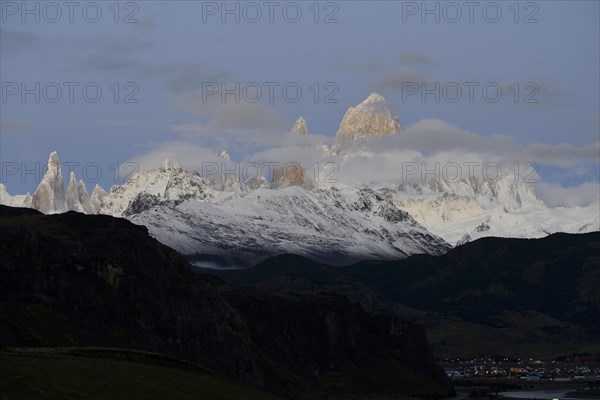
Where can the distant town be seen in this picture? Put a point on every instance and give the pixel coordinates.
(567, 369)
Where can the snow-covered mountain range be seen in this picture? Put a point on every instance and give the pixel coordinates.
(245, 224)
(231, 222)
(470, 208)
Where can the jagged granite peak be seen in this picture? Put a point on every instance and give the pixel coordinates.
(78, 198)
(14, 201)
(371, 118)
(96, 200)
(49, 197)
(376, 104)
(300, 127)
(223, 155)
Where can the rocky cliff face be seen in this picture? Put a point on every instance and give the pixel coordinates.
(316, 336)
(83, 280)
(370, 119)
(72, 279)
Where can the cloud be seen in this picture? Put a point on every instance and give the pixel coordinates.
(14, 42)
(144, 24)
(187, 154)
(195, 155)
(550, 89)
(246, 116)
(179, 78)
(430, 146)
(112, 54)
(217, 117)
(107, 53)
(372, 66)
(565, 154)
(413, 57)
(192, 77)
(555, 195)
(11, 126)
(433, 135)
(307, 150)
(536, 93)
(397, 78)
(242, 117)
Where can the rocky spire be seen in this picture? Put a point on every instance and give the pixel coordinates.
(371, 118)
(300, 127)
(96, 200)
(49, 197)
(77, 196)
(223, 155)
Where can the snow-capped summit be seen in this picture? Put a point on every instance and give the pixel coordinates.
(513, 193)
(169, 184)
(49, 197)
(300, 127)
(371, 118)
(340, 227)
(376, 104)
(477, 207)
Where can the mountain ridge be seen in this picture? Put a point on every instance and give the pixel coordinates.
(185, 211)
(288, 211)
(516, 297)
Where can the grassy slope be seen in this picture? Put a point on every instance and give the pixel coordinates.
(54, 374)
(118, 374)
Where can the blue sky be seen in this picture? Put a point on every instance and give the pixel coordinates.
(164, 59)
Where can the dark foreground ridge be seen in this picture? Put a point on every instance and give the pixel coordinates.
(74, 280)
(494, 296)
